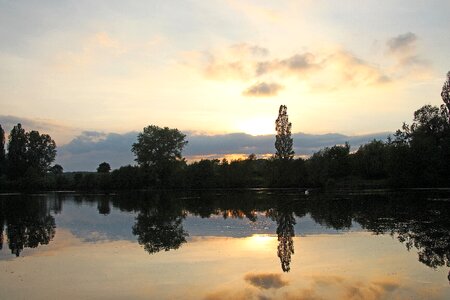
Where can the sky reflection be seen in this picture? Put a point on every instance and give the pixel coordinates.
(216, 249)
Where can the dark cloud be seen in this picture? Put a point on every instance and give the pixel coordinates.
(403, 49)
(86, 151)
(299, 62)
(90, 148)
(402, 42)
(263, 89)
(266, 280)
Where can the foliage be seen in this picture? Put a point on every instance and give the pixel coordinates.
(283, 139)
(370, 161)
(419, 155)
(329, 164)
(104, 167)
(29, 150)
(41, 151)
(157, 146)
(2, 151)
(57, 169)
(17, 152)
(446, 92)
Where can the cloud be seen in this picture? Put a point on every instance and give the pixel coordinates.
(263, 89)
(334, 69)
(402, 42)
(87, 150)
(248, 49)
(266, 280)
(352, 71)
(403, 49)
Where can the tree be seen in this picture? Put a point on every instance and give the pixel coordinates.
(41, 151)
(104, 167)
(17, 152)
(56, 170)
(2, 151)
(446, 92)
(29, 151)
(283, 139)
(157, 146)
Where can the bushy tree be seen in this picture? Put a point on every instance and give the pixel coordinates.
(41, 151)
(329, 163)
(370, 160)
(158, 152)
(156, 146)
(104, 167)
(283, 139)
(420, 152)
(29, 150)
(17, 152)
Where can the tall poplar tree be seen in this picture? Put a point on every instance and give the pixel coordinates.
(2, 151)
(446, 92)
(17, 152)
(283, 139)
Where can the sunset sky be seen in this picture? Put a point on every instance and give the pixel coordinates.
(216, 67)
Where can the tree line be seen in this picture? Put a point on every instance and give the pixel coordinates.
(417, 155)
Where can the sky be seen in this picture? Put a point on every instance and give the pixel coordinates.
(220, 67)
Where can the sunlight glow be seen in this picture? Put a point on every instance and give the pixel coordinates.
(261, 240)
(258, 126)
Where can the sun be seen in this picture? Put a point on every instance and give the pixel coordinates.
(257, 126)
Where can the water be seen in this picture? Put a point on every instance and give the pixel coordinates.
(258, 244)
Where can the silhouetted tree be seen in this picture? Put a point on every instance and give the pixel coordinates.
(41, 151)
(104, 167)
(370, 161)
(419, 154)
(329, 164)
(157, 145)
(283, 139)
(159, 149)
(57, 169)
(17, 152)
(29, 151)
(2, 151)
(446, 92)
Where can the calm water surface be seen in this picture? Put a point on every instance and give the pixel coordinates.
(257, 244)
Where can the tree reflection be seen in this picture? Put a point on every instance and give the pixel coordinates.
(28, 224)
(159, 226)
(103, 206)
(285, 230)
(2, 226)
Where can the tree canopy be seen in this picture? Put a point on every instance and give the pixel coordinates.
(283, 139)
(104, 167)
(29, 150)
(156, 146)
(446, 92)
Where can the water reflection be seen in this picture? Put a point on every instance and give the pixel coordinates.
(159, 225)
(285, 220)
(419, 220)
(28, 224)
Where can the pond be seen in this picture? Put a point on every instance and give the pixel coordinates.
(253, 244)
